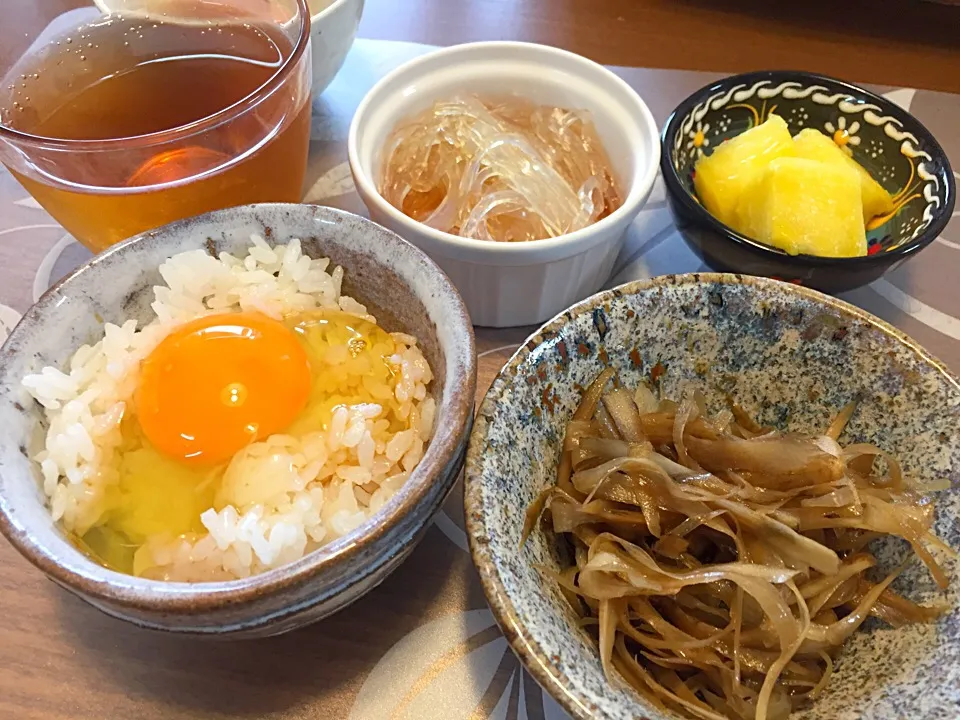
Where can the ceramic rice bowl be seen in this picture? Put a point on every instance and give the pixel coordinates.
(406, 292)
(792, 357)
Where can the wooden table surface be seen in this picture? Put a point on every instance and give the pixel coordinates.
(910, 43)
(60, 659)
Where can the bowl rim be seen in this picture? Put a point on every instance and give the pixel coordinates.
(326, 10)
(104, 7)
(560, 246)
(678, 192)
(119, 590)
(514, 628)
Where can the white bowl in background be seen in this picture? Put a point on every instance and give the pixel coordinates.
(333, 28)
(511, 284)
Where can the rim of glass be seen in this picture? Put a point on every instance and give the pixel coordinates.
(192, 128)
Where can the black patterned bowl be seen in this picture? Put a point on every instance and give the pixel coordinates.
(789, 355)
(891, 144)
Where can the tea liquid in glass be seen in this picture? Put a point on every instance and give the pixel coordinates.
(124, 77)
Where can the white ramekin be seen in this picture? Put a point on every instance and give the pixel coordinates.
(510, 284)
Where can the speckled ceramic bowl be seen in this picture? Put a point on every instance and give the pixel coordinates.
(403, 288)
(792, 357)
(897, 150)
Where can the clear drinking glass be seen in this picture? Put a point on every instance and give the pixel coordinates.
(158, 111)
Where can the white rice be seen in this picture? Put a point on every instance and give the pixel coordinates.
(280, 498)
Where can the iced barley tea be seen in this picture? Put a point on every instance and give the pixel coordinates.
(124, 83)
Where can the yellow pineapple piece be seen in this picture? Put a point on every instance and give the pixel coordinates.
(814, 145)
(722, 176)
(805, 206)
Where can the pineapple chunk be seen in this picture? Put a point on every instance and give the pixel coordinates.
(722, 176)
(814, 145)
(805, 206)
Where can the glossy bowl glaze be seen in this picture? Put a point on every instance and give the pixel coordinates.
(333, 28)
(791, 356)
(402, 288)
(897, 150)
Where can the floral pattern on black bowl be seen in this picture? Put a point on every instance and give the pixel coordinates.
(893, 146)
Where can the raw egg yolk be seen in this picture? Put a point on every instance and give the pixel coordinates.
(220, 382)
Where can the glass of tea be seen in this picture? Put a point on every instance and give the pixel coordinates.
(160, 110)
